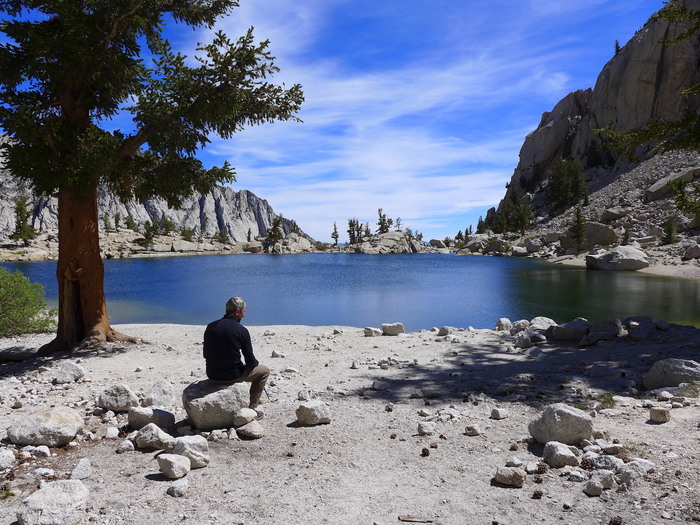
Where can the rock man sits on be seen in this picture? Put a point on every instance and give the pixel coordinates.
(225, 342)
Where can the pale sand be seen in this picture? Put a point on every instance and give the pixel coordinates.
(368, 466)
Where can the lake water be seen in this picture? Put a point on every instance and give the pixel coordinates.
(421, 290)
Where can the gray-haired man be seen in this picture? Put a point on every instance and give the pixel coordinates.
(225, 341)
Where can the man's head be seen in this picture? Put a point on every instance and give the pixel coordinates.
(236, 307)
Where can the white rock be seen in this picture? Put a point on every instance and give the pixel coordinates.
(118, 398)
(660, 415)
(152, 437)
(514, 461)
(562, 423)
(426, 428)
(125, 446)
(511, 476)
(196, 448)
(392, 329)
(558, 455)
(161, 394)
(503, 324)
(671, 372)
(251, 430)
(112, 433)
(313, 413)
(53, 427)
(472, 430)
(372, 332)
(139, 417)
(173, 466)
(211, 406)
(499, 413)
(244, 416)
(82, 470)
(178, 488)
(57, 502)
(7, 458)
(606, 478)
(42, 451)
(69, 373)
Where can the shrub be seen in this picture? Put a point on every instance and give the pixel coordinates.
(669, 236)
(187, 235)
(22, 306)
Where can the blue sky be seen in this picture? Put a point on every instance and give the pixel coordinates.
(417, 107)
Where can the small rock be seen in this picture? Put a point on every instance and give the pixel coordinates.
(313, 413)
(472, 430)
(252, 430)
(511, 476)
(392, 329)
(119, 398)
(82, 470)
(558, 455)
(69, 373)
(244, 416)
(178, 488)
(195, 448)
(125, 446)
(514, 462)
(499, 413)
(112, 433)
(660, 415)
(426, 428)
(174, 466)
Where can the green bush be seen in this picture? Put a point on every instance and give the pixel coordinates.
(22, 306)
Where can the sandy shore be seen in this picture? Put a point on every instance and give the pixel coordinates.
(369, 465)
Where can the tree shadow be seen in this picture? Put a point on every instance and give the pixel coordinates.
(561, 371)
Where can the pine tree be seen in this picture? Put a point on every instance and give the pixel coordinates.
(578, 229)
(275, 233)
(335, 236)
(669, 236)
(23, 231)
(68, 67)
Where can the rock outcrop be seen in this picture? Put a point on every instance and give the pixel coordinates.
(643, 80)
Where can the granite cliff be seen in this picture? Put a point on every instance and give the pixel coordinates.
(628, 200)
(235, 212)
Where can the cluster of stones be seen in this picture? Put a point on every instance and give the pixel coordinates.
(584, 456)
(528, 334)
(444, 333)
(213, 411)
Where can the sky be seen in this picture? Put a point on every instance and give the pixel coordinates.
(418, 107)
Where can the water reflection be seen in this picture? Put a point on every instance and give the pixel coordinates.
(421, 291)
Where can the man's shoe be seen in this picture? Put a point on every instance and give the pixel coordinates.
(259, 414)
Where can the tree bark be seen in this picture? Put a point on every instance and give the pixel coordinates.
(82, 310)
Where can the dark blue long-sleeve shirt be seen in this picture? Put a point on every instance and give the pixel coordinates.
(224, 342)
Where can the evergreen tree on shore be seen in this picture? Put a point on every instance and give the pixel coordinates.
(68, 68)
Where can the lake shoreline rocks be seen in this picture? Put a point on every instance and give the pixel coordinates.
(569, 421)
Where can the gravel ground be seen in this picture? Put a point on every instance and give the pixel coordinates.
(369, 465)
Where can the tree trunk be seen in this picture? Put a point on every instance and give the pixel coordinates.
(82, 311)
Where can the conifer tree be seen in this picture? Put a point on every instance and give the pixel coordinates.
(578, 229)
(67, 67)
(23, 231)
(335, 236)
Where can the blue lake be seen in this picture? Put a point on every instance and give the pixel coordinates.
(421, 291)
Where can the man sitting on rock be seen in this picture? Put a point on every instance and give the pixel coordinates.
(224, 342)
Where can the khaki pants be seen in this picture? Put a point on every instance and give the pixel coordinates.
(257, 377)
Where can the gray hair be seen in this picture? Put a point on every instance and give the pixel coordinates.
(233, 304)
